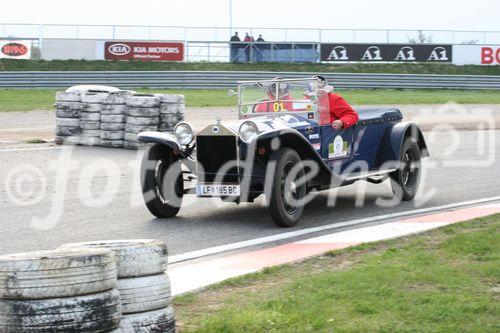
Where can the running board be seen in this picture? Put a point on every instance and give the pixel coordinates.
(369, 175)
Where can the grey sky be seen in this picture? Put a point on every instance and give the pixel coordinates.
(393, 14)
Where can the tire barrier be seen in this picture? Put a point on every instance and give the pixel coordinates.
(143, 284)
(113, 118)
(70, 290)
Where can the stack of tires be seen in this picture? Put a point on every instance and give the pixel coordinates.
(143, 284)
(90, 118)
(171, 111)
(113, 119)
(66, 290)
(143, 114)
(68, 106)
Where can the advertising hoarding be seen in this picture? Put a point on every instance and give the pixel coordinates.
(486, 55)
(144, 51)
(15, 49)
(386, 52)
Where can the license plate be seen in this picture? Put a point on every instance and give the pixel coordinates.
(203, 190)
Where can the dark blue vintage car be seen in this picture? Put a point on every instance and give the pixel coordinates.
(284, 147)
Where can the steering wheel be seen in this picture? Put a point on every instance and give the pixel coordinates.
(260, 100)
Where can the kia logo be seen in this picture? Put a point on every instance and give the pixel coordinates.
(119, 49)
(14, 49)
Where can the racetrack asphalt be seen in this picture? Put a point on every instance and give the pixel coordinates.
(463, 166)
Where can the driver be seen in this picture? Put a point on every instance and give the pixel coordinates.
(341, 114)
(273, 105)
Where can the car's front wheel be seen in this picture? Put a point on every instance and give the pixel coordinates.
(287, 190)
(162, 183)
(406, 179)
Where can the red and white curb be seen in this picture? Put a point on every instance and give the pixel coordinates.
(191, 276)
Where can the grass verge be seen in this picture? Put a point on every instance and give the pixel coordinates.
(100, 65)
(39, 99)
(444, 280)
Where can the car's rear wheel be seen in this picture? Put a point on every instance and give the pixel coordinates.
(162, 183)
(287, 193)
(406, 180)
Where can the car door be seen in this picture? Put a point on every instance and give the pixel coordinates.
(337, 145)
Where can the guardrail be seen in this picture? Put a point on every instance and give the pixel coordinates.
(226, 79)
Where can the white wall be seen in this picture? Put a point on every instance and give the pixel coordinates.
(76, 49)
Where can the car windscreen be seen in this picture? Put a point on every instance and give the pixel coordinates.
(278, 96)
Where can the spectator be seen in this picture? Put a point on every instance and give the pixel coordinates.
(258, 49)
(260, 39)
(248, 46)
(234, 47)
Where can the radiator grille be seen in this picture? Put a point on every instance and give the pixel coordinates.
(213, 152)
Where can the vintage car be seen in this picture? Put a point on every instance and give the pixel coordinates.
(284, 147)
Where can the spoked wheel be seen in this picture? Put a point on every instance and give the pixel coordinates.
(162, 183)
(406, 180)
(287, 192)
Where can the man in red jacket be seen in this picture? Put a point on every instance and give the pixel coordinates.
(341, 114)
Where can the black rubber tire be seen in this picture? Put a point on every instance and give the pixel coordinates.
(282, 214)
(406, 180)
(163, 196)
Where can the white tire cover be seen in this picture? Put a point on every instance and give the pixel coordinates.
(162, 320)
(68, 131)
(117, 98)
(113, 109)
(91, 313)
(172, 108)
(112, 126)
(90, 116)
(113, 118)
(90, 141)
(135, 257)
(135, 145)
(67, 113)
(91, 133)
(138, 129)
(92, 107)
(58, 273)
(144, 293)
(130, 137)
(143, 101)
(112, 143)
(65, 96)
(67, 140)
(143, 112)
(90, 125)
(170, 98)
(112, 135)
(83, 88)
(142, 121)
(68, 122)
(69, 105)
(93, 97)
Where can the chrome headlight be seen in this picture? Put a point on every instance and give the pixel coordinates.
(183, 133)
(248, 131)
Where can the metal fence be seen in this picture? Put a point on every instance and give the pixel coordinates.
(226, 79)
(136, 32)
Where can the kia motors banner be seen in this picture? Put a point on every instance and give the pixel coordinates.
(486, 55)
(386, 52)
(15, 49)
(144, 51)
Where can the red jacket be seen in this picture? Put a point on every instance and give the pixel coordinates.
(339, 109)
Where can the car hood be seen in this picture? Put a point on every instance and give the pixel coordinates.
(270, 123)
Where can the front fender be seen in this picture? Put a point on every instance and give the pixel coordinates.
(399, 132)
(291, 138)
(162, 138)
